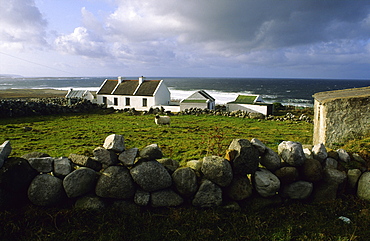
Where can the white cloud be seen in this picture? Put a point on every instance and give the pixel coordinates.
(22, 25)
(82, 42)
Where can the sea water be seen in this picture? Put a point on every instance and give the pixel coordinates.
(288, 91)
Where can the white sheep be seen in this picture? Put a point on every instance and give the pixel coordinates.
(162, 120)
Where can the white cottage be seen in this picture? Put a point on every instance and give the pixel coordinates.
(140, 94)
(80, 94)
(250, 103)
(199, 99)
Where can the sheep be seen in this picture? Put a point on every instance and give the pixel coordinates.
(162, 120)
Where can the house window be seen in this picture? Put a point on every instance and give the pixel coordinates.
(127, 101)
(104, 100)
(145, 102)
(115, 101)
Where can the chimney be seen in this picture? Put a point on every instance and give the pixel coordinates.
(119, 79)
(141, 80)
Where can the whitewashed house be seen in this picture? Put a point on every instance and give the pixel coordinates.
(250, 103)
(140, 94)
(199, 99)
(80, 94)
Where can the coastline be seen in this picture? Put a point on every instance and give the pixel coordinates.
(31, 93)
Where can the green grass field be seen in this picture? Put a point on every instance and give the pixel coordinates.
(188, 138)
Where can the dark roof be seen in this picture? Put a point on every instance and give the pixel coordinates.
(147, 88)
(129, 87)
(198, 97)
(76, 94)
(108, 87)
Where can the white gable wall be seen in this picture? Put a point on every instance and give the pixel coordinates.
(249, 108)
(162, 95)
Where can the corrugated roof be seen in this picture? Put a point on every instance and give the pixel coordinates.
(76, 94)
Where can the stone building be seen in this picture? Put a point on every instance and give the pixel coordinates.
(341, 115)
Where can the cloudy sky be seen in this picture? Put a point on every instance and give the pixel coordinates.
(200, 38)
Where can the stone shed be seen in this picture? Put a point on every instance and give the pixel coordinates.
(341, 115)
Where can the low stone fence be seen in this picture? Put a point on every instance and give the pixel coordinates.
(44, 106)
(133, 178)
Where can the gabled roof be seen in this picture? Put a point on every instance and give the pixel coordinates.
(199, 97)
(244, 99)
(76, 93)
(147, 88)
(107, 87)
(126, 88)
(129, 87)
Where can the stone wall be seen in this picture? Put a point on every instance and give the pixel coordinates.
(341, 116)
(45, 106)
(133, 178)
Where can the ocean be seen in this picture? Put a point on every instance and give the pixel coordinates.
(296, 92)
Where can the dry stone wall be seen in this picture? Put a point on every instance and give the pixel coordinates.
(134, 178)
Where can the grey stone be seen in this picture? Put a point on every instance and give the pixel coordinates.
(330, 163)
(151, 176)
(85, 161)
(334, 176)
(287, 175)
(151, 152)
(79, 182)
(239, 189)
(208, 195)
(185, 181)
(312, 170)
(90, 203)
(170, 164)
(35, 154)
(244, 157)
(266, 183)
(319, 152)
(45, 190)
(308, 153)
(165, 198)
(142, 197)
(115, 143)
(363, 188)
(270, 160)
(298, 190)
(105, 157)
(217, 170)
(196, 165)
(127, 158)
(353, 176)
(292, 153)
(115, 182)
(259, 145)
(343, 155)
(5, 150)
(42, 164)
(62, 167)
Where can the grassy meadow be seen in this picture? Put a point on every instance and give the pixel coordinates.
(188, 138)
